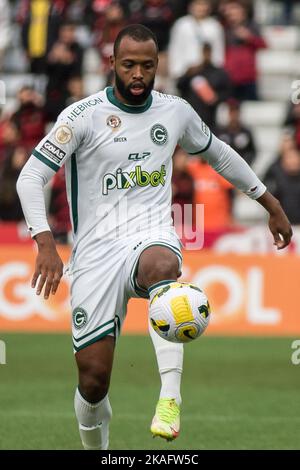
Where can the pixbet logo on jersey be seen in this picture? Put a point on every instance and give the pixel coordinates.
(138, 177)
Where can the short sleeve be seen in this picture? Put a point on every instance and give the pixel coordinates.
(197, 136)
(61, 142)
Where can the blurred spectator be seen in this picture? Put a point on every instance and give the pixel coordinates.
(283, 181)
(63, 62)
(156, 15)
(287, 17)
(182, 191)
(220, 6)
(238, 136)
(75, 90)
(131, 6)
(9, 138)
(293, 121)
(59, 218)
(214, 192)
(205, 86)
(179, 7)
(243, 40)
(99, 8)
(30, 118)
(41, 20)
(106, 35)
(287, 143)
(80, 12)
(10, 207)
(5, 28)
(188, 36)
(182, 180)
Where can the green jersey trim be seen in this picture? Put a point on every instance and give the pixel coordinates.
(74, 192)
(93, 331)
(45, 160)
(126, 107)
(94, 340)
(160, 284)
(205, 148)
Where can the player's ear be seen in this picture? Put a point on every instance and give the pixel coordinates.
(112, 62)
(157, 61)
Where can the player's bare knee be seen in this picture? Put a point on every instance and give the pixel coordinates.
(94, 366)
(94, 384)
(160, 270)
(156, 264)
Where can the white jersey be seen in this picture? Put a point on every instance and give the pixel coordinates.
(119, 161)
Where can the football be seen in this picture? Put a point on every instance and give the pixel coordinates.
(179, 312)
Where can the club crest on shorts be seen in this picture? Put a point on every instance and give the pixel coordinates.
(159, 134)
(113, 121)
(79, 318)
(63, 134)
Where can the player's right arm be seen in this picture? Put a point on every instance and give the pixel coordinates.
(46, 159)
(48, 265)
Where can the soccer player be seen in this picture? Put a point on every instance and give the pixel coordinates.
(117, 148)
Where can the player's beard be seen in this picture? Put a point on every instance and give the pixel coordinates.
(128, 96)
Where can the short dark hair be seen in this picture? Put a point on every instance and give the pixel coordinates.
(138, 32)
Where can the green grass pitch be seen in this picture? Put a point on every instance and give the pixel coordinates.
(238, 393)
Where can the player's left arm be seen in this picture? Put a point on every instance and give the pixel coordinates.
(197, 139)
(233, 167)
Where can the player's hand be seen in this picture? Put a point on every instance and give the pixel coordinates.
(281, 229)
(278, 223)
(48, 266)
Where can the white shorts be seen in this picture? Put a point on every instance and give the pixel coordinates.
(100, 290)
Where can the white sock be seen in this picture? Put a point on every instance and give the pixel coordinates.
(170, 361)
(93, 420)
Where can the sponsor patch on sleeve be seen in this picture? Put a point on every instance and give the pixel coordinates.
(63, 134)
(52, 152)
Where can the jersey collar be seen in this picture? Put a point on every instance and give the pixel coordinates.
(126, 107)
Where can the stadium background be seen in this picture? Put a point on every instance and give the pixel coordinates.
(240, 381)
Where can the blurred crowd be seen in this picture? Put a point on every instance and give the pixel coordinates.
(207, 52)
